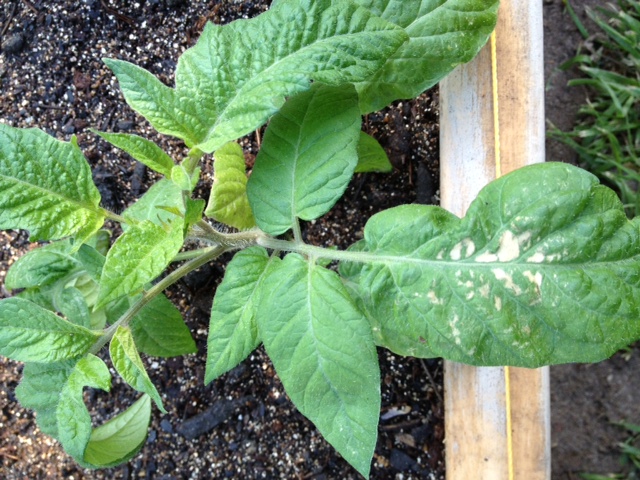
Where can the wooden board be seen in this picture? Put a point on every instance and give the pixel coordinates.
(492, 121)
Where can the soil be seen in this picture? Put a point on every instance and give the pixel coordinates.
(586, 400)
(51, 77)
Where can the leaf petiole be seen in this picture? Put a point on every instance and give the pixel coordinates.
(191, 161)
(297, 232)
(234, 241)
(207, 255)
(190, 254)
(231, 241)
(313, 251)
(114, 216)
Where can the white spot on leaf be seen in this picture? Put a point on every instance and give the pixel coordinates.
(556, 256)
(465, 247)
(454, 329)
(487, 257)
(505, 277)
(534, 278)
(497, 301)
(431, 295)
(524, 240)
(467, 284)
(470, 247)
(456, 252)
(537, 257)
(509, 247)
(540, 257)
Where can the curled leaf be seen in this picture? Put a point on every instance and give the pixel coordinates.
(228, 202)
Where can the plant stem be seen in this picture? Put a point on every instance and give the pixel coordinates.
(190, 254)
(191, 161)
(114, 216)
(206, 229)
(304, 249)
(297, 232)
(338, 255)
(231, 241)
(235, 241)
(312, 250)
(206, 256)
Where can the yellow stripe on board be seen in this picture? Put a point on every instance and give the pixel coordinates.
(496, 105)
(507, 387)
(498, 165)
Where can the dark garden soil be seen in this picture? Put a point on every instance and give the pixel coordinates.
(242, 425)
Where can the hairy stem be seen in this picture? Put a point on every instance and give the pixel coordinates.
(231, 241)
(206, 256)
(204, 230)
(314, 252)
(234, 241)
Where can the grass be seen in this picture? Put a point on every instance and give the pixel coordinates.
(629, 459)
(607, 135)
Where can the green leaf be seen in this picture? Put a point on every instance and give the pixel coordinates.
(42, 266)
(371, 156)
(91, 261)
(158, 330)
(52, 263)
(71, 303)
(323, 351)
(228, 202)
(183, 179)
(74, 421)
(128, 364)
(273, 56)
(54, 391)
(87, 286)
(137, 257)
(151, 98)
(164, 193)
(442, 35)
(100, 241)
(46, 187)
(142, 150)
(40, 389)
(29, 333)
(97, 319)
(543, 269)
(122, 437)
(233, 333)
(42, 296)
(308, 156)
(193, 213)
